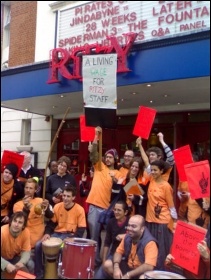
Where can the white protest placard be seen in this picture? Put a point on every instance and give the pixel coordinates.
(99, 81)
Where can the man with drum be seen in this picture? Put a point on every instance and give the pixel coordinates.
(32, 207)
(15, 246)
(140, 250)
(68, 221)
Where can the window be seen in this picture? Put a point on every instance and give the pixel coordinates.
(26, 132)
(7, 17)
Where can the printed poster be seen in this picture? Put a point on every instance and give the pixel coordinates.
(99, 81)
(184, 245)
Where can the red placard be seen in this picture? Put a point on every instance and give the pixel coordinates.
(182, 156)
(184, 245)
(144, 122)
(87, 132)
(12, 157)
(24, 275)
(198, 178)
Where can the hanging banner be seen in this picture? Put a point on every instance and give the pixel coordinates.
(198, 178)
(99, 90)
(184, 245)
(182, 156)
(144, 122)
(12, 157)
(99, 81)
(87, 132)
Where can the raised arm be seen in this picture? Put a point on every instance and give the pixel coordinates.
(167, 150)
(143, 154)
(93, 148)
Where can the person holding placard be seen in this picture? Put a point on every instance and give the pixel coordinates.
(160, 210)
(196, 211)
(131, 190)
(99, 196)
(155, 153)
(203, 248)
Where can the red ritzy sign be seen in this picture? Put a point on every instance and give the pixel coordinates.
(61, 58)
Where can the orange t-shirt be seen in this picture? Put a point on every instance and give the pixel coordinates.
(195, 212)
(35, 223)
(123, 171)
(160, 199)
(150, 252)
(10, 246)
(68, 220)
(6, 191)
(100, 192)
(144, 179)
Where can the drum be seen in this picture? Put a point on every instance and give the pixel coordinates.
(51, 249)
(157, 274)
(78, 259)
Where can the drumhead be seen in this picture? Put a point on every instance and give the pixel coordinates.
(80, 241)
(157, 274)
(53, 241)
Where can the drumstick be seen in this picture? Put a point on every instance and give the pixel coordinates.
(51, 148)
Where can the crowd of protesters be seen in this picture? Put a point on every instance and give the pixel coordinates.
(139, 234)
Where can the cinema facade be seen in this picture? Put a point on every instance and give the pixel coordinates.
(163, 62)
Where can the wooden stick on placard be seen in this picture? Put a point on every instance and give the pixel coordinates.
(51, 148)
(100, 151)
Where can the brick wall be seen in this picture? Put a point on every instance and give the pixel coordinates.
(22, 32)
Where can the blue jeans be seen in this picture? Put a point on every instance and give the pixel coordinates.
(95, 229)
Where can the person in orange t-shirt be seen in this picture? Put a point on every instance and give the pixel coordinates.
(11, 191)
(99, 196)
(15, 245)
(196, 211)
(69, 217)
(35, 222)
(68, 221)
(160, 210)
(156, 153)
(139, 248)
(125, 166)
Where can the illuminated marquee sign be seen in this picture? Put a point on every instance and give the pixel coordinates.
(61, 58)
(102, 27)
(92, 21)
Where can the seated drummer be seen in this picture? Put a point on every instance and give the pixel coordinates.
(68, 221)
(15, 246)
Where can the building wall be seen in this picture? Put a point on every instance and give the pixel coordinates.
(32, 29)
(45, 31)
(42, 133)
(22, 32)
